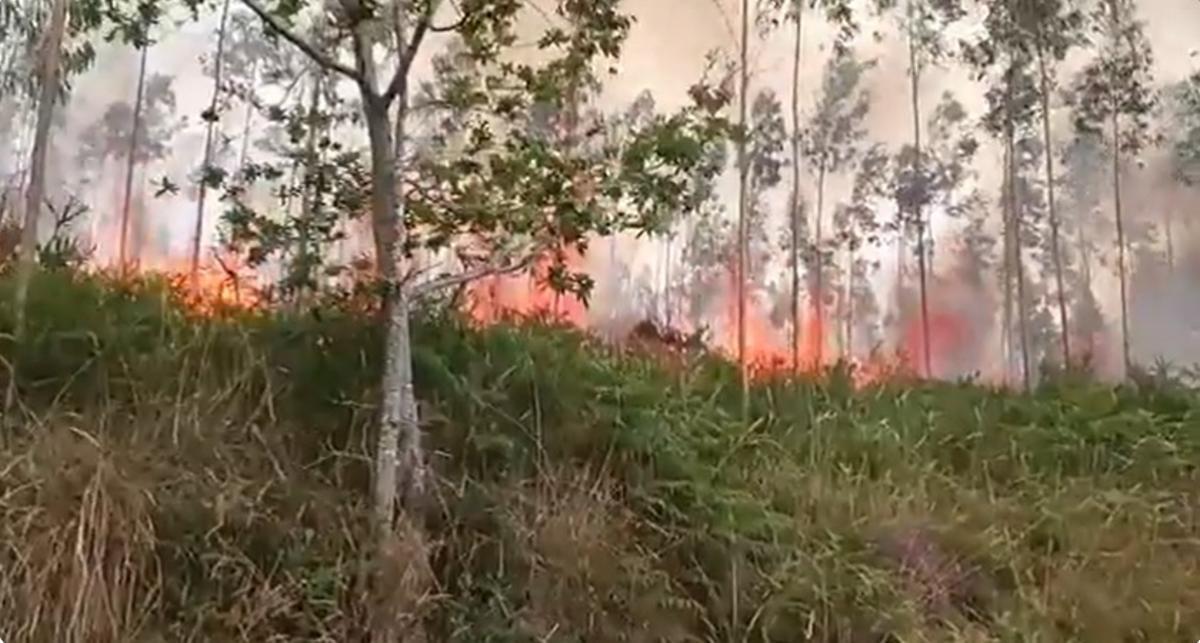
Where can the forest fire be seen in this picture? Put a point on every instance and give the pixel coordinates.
(219, 286)
(496, 297)
(769, 350)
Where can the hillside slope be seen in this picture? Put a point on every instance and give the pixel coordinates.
(174, 478)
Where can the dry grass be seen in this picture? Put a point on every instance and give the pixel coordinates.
(79, 541)
(205, 481)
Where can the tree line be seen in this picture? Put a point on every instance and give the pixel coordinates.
(496, 165)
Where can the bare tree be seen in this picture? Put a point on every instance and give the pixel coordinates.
(130, 163)
(743, 165)
(210, 117)
(1114, 92)
(49, 75)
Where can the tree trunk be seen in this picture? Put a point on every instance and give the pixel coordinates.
(131, 162)
(1121, 271)
(818, 296)
(1006, 343)
(1085, 265)
(797, 322)
(49, 77)
(743, 179)
(667, 284)
(1055, 246)
(918, 216)
(198, 232)
(399, 458)
(901, 264)
(614, 289)
(849, 302)
(1019, 264)
(247, 119)
(1017, 242)
(308, 195)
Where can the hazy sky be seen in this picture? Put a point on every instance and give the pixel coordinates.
(665, 54)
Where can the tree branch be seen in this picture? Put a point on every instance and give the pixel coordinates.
(305, 46)
(480, 272)
(409, 53)
(454, 26)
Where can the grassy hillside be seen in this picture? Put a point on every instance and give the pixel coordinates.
(169, 478)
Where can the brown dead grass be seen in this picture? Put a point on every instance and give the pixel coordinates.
(78, 541)
(585, 572)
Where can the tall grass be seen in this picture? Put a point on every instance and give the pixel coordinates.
(172, 477)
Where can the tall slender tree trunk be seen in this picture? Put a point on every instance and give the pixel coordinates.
(398, 423)
(901, 265)
(131, 161)
(849, 301)
(1017, 242)
(1120, 221)
(794, 210)
(308, 191)
(198, 232)
(1019, 266)
(918, 215)
(667, 304)
(1006, 342)
(399, 457)
(818, 295)
(743, 180)
(49, 76)
(614, 289)
(1085, 265)
(1055, 245)
(247, 119)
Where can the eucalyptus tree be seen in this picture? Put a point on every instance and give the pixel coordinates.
(141, 132)
(773, 14)
(858, 227)
(945, 181)
(56, 39)
(49, 74)
(1000, 54)
(766, 140)
(210, 116)
(1114, 95)
(1183, 139)
(16, 23)
(832, 143)
(261, 75)
(1046, 30)
(143, 58)
(924, 24)
(1084, 169)
(1185, 125)
(708, 248)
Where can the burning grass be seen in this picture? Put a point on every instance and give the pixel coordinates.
(171, 476)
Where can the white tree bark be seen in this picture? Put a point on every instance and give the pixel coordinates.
(131, 161)
(49, 77)
(208, 144)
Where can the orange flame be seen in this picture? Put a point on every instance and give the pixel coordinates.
(494, 298)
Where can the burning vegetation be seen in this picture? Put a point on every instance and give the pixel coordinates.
(387, 322)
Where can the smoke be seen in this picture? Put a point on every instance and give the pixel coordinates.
(666, 54)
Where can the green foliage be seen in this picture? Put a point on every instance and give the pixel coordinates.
(604, 494)
(497, 189)
(1184, 124)
(840, 13)
(108, 137)
(1117, 85)
(836, 131)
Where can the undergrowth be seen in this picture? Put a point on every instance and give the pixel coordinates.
(169, 477)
